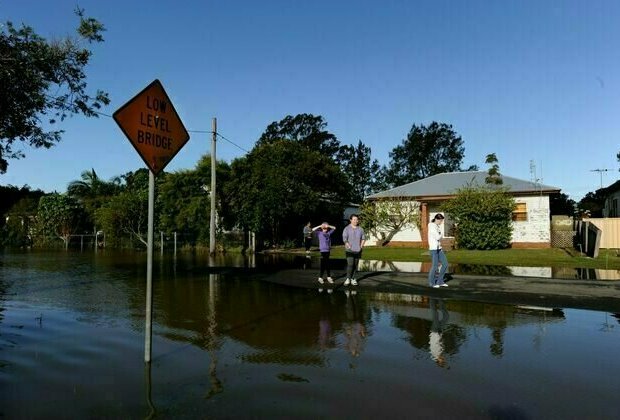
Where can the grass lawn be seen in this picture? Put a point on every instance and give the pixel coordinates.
(550, 257)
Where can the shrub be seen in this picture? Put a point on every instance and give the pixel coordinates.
(482, 217)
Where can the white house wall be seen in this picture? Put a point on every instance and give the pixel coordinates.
(410, 234)
(535, 230)
(537, 227)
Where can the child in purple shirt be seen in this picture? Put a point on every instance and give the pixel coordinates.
(324, 233)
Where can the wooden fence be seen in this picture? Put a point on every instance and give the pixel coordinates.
(610, 231)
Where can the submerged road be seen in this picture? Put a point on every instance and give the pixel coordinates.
(603, 295)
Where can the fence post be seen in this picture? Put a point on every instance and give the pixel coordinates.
(586, 231)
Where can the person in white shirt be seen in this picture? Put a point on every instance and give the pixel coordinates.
(437, 254)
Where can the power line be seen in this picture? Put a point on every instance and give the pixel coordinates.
(219, 135)
(234, 144)
(190, 131)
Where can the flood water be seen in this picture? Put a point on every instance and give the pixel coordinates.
(227, 345)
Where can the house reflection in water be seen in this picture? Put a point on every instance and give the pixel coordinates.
(494, 270)
(434, 325)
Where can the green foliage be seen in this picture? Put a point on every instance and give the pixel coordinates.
(136, 181)
(124, 214)
(427, 150)
(11, 195)
(561, 204)
(281, 185)
(493, 177)
(92, 192)
(592, 203)
(185, 203)
(41, 78)
(482, 216)
(307, 129)
(16, 233)
(91, 186)
(19, 227)
(18, 208)
(364, 175)
(59, 215)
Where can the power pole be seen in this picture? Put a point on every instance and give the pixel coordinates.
(600, 171)
(213, 164)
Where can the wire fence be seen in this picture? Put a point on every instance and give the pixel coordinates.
(162, 242)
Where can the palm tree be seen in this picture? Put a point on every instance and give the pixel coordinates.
(91, 186)
(92, 191)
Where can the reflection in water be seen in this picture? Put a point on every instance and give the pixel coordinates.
(147, 386)
(213, 344)
(437, 328)
(281, 350)
(354, 328)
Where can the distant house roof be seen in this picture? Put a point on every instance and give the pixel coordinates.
(446, 184)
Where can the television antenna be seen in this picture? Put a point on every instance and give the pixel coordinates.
(600, 171)
(533, 177)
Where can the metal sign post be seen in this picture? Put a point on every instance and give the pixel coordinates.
(148, 330)
(155, 130)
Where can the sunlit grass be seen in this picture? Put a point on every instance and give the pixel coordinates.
(550, 257)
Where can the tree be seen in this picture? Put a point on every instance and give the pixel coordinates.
(91, 186)
(593, 203)
(306, 129)
(561, 204)
(185, 202)
(364, 175)
(281, 185)
(10, 195)
(43, 80)
(482, 216)
(385, 218)
(92, 191)
(493, 177)
(427, 150)
(125, 214)
(19, 222)
(59, 215)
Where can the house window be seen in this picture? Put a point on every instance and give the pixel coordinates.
(614, 208)
(520, 213)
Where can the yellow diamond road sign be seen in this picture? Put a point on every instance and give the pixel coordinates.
(153, 126)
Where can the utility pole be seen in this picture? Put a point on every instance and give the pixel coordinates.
(213, 164)
(600, 171)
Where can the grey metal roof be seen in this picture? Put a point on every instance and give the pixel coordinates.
(446, 184)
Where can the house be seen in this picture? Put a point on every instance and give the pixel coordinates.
(611, 207)
(349, 210)
(531, 218)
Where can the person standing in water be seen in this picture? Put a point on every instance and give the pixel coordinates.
(354, 239)
(324, 234)
(437, 254)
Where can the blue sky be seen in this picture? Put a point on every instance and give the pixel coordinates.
(528, 80)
